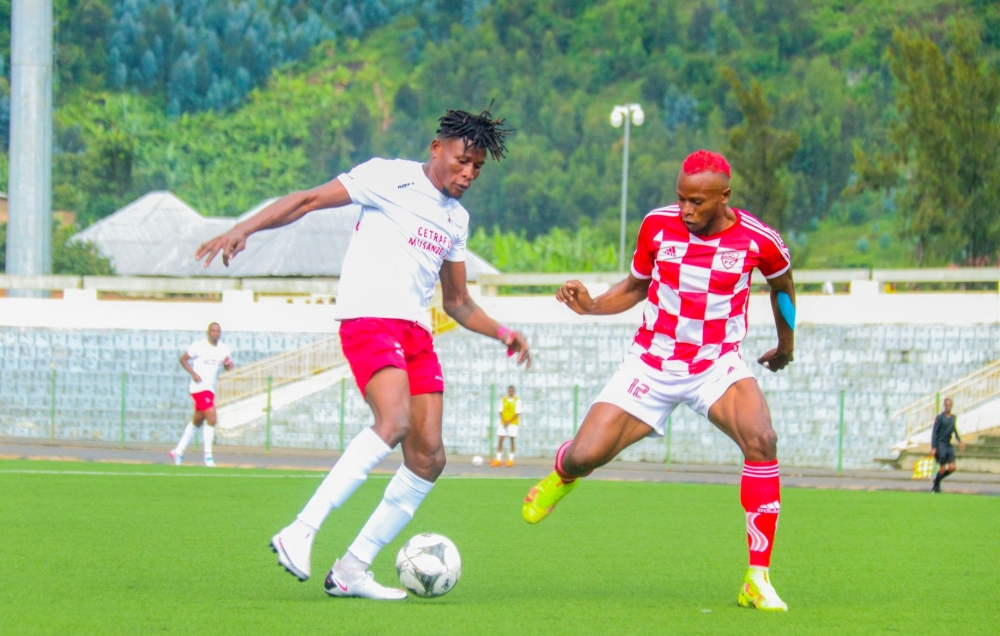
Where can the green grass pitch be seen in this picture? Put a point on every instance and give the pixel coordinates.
(123, 549)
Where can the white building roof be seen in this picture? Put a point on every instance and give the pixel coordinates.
(157, 235)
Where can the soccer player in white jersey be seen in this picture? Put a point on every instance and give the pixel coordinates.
(692, 266)
(203, 361)
(412, 230)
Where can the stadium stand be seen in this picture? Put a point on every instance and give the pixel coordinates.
(879, 368)
(83, 371)
(870, 371)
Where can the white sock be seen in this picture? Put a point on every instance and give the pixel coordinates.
(350, 569)
(402, 496)
(209, 438)
(186, 438)
(499, 455)
(511, 457)
(362, 455)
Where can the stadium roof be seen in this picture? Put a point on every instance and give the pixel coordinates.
(157, 235)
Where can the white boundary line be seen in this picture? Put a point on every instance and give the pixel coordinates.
(144, 474)
(314, 474)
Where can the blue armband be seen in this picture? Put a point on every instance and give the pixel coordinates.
(787, 308)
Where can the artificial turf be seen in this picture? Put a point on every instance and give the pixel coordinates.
(124, 549)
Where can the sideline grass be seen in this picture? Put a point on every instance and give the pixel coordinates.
(135, 552)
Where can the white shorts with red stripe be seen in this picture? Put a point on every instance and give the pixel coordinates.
(651, 395)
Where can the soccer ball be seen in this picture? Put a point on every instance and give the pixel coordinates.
(429, 565)
(477, 460)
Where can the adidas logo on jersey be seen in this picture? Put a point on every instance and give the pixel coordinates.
(404, 185)
(772, 508)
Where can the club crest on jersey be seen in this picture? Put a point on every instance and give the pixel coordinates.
(729, 259)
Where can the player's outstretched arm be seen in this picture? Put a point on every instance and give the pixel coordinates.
(624, 295)
(287, 209)
(459, 305)
(783, 308)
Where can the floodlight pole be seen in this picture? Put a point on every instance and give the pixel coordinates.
(29, 230)
(625, 114)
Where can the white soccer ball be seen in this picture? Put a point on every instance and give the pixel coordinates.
(429, 565)
(477, 460)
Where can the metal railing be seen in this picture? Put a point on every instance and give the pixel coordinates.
(967, 393)
(289, 366)
(158, 285)
(297, 364)
(492, 282)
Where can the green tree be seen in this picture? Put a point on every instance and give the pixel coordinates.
(760, 153)
(585, 250)
(81, 28)
(81, 258)
(946, 146)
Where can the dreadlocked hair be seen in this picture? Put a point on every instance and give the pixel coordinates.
(478, 131)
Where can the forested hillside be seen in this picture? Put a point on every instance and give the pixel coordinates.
(866, 130)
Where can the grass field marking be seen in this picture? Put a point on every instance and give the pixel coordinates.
(312, 474)
(130, 474)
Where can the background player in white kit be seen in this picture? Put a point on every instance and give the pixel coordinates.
(411, 231)
(203, 361)
(692, 266)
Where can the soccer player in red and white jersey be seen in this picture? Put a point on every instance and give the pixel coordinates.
(203, 361)
(692, 266)
(412, 231)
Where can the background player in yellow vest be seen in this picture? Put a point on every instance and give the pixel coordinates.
(510, 414)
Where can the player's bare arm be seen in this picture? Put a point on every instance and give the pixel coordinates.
(623, 296)
(779, 357)
(286, 210)
(186, 363)
(459, 305)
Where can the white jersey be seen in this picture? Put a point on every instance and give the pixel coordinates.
(207, 361)
(406, 230)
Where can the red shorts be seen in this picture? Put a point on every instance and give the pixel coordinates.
(203, 400)
(371, 344)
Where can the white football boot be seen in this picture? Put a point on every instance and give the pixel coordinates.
(293, 545)
(210, 461)
(177, 457)
(366, 587)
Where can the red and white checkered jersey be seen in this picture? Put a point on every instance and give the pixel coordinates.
(697, 305)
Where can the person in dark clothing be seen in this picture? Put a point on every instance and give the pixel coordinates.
(941, 448)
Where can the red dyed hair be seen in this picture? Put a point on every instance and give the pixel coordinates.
(705, 161)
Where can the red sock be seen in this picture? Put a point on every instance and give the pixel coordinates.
(760, 494)
(566, 477)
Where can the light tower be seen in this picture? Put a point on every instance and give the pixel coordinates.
(626, 114)
(29, 184)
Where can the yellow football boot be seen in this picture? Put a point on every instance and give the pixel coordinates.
(758, 593)
(543, 497)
